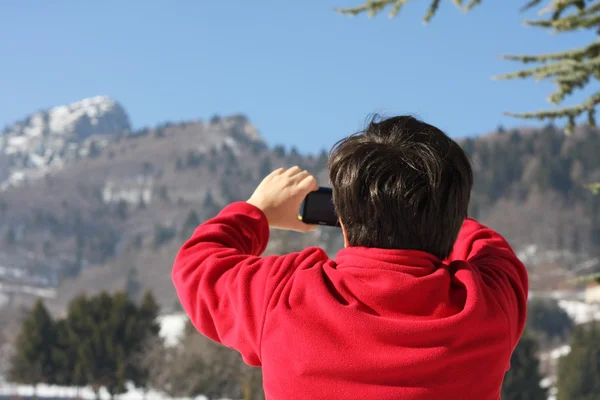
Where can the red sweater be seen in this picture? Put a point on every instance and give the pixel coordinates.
(371, 324)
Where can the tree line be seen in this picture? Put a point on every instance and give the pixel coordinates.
(111, 340)
(97, 344)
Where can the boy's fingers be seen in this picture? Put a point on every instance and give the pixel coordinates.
(293, 171)
(299, 177)
(308, 183)
(278, 171)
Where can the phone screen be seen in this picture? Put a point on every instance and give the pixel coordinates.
(319, 209)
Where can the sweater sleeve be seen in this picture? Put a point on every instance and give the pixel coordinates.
(222, 282)
(500, 269)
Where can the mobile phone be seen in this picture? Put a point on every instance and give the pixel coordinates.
(317, 208)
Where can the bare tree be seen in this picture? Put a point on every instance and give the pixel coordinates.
(200, 366)
(155, 359)
(4, 349)
(207, 368)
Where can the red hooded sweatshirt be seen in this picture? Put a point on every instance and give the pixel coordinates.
(371, 324)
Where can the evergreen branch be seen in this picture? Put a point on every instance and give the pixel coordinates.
(432, 10)
(570, 113)
(595, 188)
(570, 23)
(373, 7)
(396, 8)
(592, 117)
(567, 70)
(472, 4)
(574, 111)
(567, 86)
(539, 72)
(584, 18)
(591, 50)
(560, 6)
(530, 5)
(591, 9)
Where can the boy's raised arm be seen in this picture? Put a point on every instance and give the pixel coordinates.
(221, 280)
(500, 270)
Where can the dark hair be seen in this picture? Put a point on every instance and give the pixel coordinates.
(401, 184)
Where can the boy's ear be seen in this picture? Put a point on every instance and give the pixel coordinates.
(345, 235)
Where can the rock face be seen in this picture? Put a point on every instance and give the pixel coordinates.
(51, 138)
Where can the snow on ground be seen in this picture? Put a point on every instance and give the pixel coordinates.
(46, 391)
(35, 291)
(172, 327)
(580, 312)
(556, 353)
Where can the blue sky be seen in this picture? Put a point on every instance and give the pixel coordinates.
(304, 75)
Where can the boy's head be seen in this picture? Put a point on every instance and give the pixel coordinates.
(401, 184)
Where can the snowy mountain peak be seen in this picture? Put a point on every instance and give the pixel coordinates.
(64, 118)
(52, 137)
(91, 116)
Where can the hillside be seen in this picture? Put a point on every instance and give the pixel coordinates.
(108, 200)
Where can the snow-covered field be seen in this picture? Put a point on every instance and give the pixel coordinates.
(47, 391)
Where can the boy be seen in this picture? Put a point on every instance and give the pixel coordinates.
(423, 303)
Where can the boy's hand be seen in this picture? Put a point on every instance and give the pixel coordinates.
(279, 196)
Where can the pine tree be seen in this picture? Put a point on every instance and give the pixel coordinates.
(87, 320)
(32, 362)
(265, 168)
(147, 333)
(122, 209)
(579, 371)
(80, 242)
(78, 328)
(11, 237)
(63, 356)
(523, 379)
(3, 207)
(125, 337)
(547, 319)
(210, 208)
(321, 162)
(189, 226)
(102, 340)
(132, 284)
(163, 235)
(570, 70)
(148, 314)
(279, 151)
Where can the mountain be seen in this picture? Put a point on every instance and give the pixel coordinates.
(52, 138)
(88, 200)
